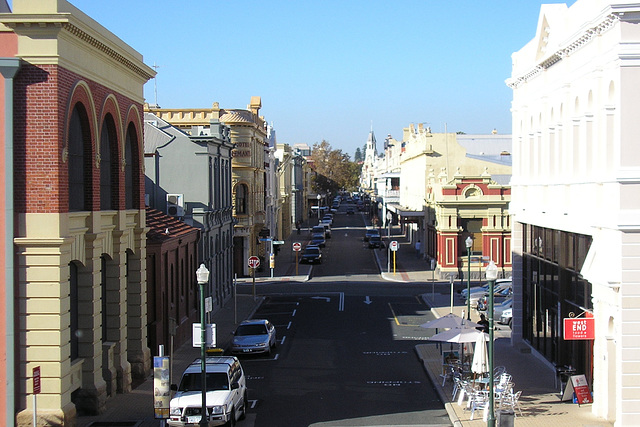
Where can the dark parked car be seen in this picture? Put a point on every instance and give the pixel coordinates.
(311, 255)
(350, 211)
(371, 232)
(375, 241)
(317, 240)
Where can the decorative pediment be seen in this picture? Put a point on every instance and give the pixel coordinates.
(543, 33)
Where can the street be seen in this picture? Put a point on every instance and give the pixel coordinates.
(346, 343)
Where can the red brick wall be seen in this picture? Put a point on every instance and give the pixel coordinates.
(45, 97)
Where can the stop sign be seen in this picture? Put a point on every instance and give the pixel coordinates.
(297, 246)
(393, 245)
(254, 261)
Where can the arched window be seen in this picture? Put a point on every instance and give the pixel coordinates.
(108, 165)
(77, 150)
(131, 167)
(241, 199)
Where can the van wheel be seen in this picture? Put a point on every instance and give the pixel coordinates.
(232, 420)
(245, 402)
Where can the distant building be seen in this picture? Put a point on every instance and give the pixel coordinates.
(188, 177)
(80, 244)
(453, 187)
(250, 164)
(575, 197)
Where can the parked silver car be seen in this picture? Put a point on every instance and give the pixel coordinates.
(254, 336)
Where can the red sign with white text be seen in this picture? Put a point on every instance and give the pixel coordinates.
(579, 328)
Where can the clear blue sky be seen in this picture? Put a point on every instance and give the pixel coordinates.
(331, 69)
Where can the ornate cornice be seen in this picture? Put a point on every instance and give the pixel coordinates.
(589, 34)
(45, 23)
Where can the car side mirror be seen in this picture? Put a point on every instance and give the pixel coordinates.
(235, 386)
(174, 387)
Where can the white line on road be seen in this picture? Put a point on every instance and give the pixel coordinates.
(294, 313)
(289, 325)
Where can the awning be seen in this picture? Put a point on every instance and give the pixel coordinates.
(404, 211)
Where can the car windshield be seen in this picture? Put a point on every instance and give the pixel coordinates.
(215, 381)
(312, 251)
(244, 330)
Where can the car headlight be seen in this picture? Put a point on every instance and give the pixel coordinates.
(262, 344)
(175, 411)
(220, 409)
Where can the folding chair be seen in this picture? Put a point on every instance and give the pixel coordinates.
(480, 400)
(512, 400)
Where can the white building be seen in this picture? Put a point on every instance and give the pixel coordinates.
(575, 195)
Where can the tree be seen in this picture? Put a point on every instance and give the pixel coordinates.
(358, 156)
(334, 169)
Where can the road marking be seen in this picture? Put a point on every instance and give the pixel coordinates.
(394, 315)
(294, 313)
(393, 383)
(254, 378)
(341, 304)
(327, 299)
(274, 358)
(383, 353)
(289, 325)
(253, 404)
(367, 300)
(282, 340)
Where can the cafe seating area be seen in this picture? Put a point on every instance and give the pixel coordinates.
(471, 391)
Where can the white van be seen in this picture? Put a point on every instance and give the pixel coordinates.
(226, 393)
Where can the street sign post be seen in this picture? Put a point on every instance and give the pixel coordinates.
(254, 262)
(36, 391)
(296, 248)
(393, 246)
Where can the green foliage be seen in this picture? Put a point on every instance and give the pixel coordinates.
(334, 169)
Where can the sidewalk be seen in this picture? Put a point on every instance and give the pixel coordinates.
(540, 402)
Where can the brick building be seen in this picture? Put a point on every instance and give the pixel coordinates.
(80, 238)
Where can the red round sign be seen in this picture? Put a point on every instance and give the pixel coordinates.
(254, 261)
(297, 246)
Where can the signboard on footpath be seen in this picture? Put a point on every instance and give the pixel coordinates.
(161, 387)
(579, 385)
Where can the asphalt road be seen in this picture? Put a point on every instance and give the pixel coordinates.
(346, 342)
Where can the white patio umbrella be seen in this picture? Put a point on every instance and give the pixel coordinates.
(480, 363)
(448, 321)
(459, 335)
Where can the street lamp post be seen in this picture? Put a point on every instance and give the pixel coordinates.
(318, 197)
(468, 243)
(202, 276)
(492, 275)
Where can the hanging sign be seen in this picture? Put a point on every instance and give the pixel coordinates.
(579, 328)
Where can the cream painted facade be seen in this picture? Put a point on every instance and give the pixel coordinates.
(81, 274)
(454, 186)
(577, 171)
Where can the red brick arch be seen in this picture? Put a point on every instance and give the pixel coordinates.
(81, 94)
